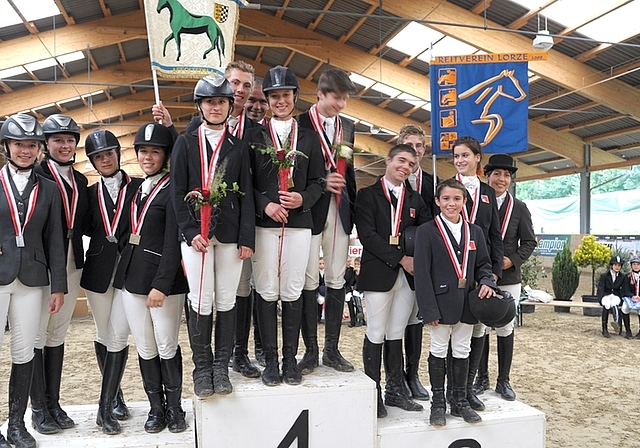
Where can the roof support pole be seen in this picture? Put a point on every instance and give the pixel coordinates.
(585, 192)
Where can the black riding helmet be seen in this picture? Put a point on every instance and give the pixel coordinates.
(280, 78)
(20, 127)
(101, 140)
(495, 311)
(155, 134)
(60, 124)
(212, 86)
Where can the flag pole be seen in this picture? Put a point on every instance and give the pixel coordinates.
(156, 90)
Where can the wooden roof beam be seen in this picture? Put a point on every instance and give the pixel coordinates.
(67, 17)
(315, 22)
(523, 20)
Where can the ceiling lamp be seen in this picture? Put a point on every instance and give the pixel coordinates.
(543, 40)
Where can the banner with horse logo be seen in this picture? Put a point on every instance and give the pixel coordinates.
(191, 38)
(482, 96)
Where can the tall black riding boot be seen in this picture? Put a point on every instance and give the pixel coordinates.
(459, 405)
(268, 322)
(333, 309)
(19, 385)
(150, 370)
(309, 329)
(114, 365)
(477, 347)
(120, 409)
(4, 443)
(257, 341)
(172, 380)
(225, 333)
(41, 420)
(482, 378)
(627, 326)
(615, 314)
(241, 363)
(413, 351)
(53, 359)
(372, 359)
(357, 301)
(352, 313)
(200, 328)
(605, 322)
(394, 394)
(505, 355)
(438, 403)
(291, 316)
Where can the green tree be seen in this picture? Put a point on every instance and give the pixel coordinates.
(591, 254)
(564, 275)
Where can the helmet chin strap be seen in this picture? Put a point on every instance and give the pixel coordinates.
(68, 163)
(22, 168)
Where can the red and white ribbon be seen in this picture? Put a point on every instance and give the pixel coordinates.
(70, 206)
(471, 217)
(208, 167)
(329, 153)
(110, 227)
(238, 129)
(396, 212)
(507, 215)
(293, 142)
(137, 220)
(460, 268)
(13, 208)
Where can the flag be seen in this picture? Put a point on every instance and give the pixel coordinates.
(191, 38)
(482, 96)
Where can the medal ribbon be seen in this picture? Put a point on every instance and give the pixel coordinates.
(31, 206)
(138, 221)
(110, 228)
(293, 141)
(636, 278)
(419, 181)
(207, 169)
(396, 213)
(329, 153)
(507, 216)
(70, 207)
(474, 207)
(460, 268)
(238, 129)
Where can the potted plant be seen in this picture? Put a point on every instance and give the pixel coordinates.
(595, 255)
(531, 270)
(564, 277)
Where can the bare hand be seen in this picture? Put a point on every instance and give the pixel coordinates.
(335, 183)
(199, 243)
(155, 299)
(486, 292)
(56, 302)
(276, 212)
(434, 323)
(161, 114)
(290, 199)
(635, 298)
(407, 264)
(244, 252)
(506, 263)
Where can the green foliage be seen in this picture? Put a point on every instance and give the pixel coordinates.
(605, 181)
(564, 275)
(532, 269)
(592, 254)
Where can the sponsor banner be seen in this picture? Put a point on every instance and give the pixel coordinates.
(550, 245)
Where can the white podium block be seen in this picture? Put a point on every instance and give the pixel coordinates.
(504, 424)
(329, 409)
(87, 434)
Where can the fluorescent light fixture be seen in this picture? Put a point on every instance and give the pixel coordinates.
(70, 57)
(386, 90)
(387, 131)
(44, 106)
(448, 46)
(13, 71)
(68, 100)
(531, 4)
(97, 92)
(414, 39)
(616, 26)
(349, 117)
(39, 65)
(361, 80)
(37, 9)
(365, 123)
(413, 100)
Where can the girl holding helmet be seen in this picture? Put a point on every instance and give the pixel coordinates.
(109, 210)
(61, 139)
(213, 262)
(284, 222)
(152, 282)
(32, 259)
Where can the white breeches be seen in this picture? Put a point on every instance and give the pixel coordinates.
(244, 286)
(388, 312)
(23, 305)
(460, 335)
(112, 328)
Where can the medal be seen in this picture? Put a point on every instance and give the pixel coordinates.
(20, 241)
(460, 268)
(70, 205)
(15, 216)
(394, 240)
(137, 219)
(290, 184)
(111, 227)
(112, 239)
(462, 283)
(69, 234)
(134, 239)
(293, 145)
(396, 213)
(325, 143)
